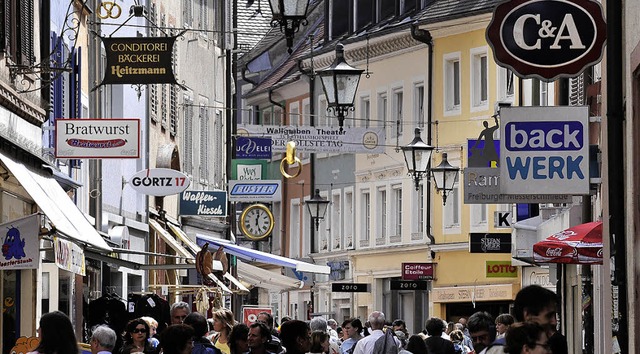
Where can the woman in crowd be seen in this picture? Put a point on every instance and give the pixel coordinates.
(153, 328)
(502, 324)
(319, 342)
(56, 334)
(136, 337)
(526, 338)
(238, 339)
(177, 339)
(457, 337)
(223, 324)
(352, 327)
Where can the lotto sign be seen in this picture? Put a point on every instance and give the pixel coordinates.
(545, 150)
(250, 314)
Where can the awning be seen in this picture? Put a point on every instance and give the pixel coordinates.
(580, 244)
(265, 279)
(56, 205)
(257, 256)
(170, 240)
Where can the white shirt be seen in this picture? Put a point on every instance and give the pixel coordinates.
(366, 344)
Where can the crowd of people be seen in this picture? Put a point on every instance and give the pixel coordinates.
(530, 329)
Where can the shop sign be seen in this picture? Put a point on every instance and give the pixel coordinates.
(248, 170)
(255, 191)
(545, 150)
(418, 271)
(547, 39)
(69, 256)
(20, 247)
(250, 314)
(350, 288)
(309, 139)
(537, 276)
(203, 203)
(501, 269)
(489, 243)
(253, 148)
(408, 285)
(494, 292)
(139, 60)
(159, 181)
(97, 138)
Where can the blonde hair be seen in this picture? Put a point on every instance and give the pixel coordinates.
(226, 317)
(150, 321)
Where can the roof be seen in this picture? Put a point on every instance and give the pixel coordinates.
(254, 21)
(442, 10)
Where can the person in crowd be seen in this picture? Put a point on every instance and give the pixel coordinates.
(467, 340)
(352, 329)
(259, 336)
(435, 343)
(319, 342)
(296, 337)
(153, 330)
(537, 304)
(366, 344)
(332, 329)
(103, 340)
(179, 312)
(320, 324)
(526, 338)
(503, 322)
(482, 329)
(238, 339)
(136, 338)
(450, 328)
(177, 339)
(463, 322)
(400, 325)
(56, 334)
(283, 320)
(201, 345)
(222, 324)
(415, 345)
(457, 338)
(273, 345)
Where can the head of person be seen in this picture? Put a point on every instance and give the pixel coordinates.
(458, 326)
(456, 336)
(153, 325)
(296, 336)
(177, 339)
(318, 324)
(526, 338)
(198, 322)
(56, 334)
(450, 327)
(223, 321)
(179, 312)
(482, 330)
(352, 327)
(285, 319)
(103, 338)
(259, 335)
(332, 323)
(136, 331)
(376, 319)
(238, 338)
(416, 344)
(463, 322)
(503, 322)
(266, 318)
(536, 304)
(319, 342)
(434, 326)
(399, 325)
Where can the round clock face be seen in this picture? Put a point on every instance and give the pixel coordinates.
(256, 221)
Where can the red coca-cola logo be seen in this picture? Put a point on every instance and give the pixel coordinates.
(554, 252)
(599, 253)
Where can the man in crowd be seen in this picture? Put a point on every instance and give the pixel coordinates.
(273, 345)
(102, 340)
(258, 338)
(435, 343)
(537, 304)
(179, 312)
(200, 328)
(366, 344)
(296, 337)
(482, 330)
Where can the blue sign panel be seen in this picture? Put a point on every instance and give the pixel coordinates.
(203, 203)
(264, 190)
(253, 148)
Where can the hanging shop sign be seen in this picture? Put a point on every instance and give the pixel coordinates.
(489, 243)
(159, 182)
(20, 246)
(309, 139)
(139, 60)
(69, 256)
(250, 314)
(97, 138)
(547, 39)
(418, 271)
(408, 285)
(248, 170)
(203, 203)
(253, 148)
(255, 191)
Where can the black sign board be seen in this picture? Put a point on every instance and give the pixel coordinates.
(408, 285)
(139, 60)
(489, 243)
(350, 288)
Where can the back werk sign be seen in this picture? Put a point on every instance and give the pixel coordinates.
(139, 60)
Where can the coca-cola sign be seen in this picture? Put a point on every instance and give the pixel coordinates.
(554, 252)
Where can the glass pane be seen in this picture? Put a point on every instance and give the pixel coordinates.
(295, 7)
(11, 313)
(347, 86)
(483, 78)
(327, 84)
(456, 83)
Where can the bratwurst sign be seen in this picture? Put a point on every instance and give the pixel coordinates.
(139, 60)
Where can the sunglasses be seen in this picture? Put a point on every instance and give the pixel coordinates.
(139, 330)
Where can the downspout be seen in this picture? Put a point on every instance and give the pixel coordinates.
(276, 103)
(245, 78)
(424, 36)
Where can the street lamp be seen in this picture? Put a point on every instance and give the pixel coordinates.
(289, 14)
(445, 177)
(317, 208)
(417, 156)
(340, 83)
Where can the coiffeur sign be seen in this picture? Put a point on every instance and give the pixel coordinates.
(139, 60)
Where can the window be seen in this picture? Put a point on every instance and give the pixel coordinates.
(452, 84)
(479, 78)
(506, 85)
(382, 110)
(348, 219)
(294, 242)
(418, 102)
(204, 15)
(381, 234)
(365, 112)
(418, 226)
(336, 221)
(397, 210)
(17, 30)
(294, 114)
(187, 12)
(306, 112)
(385, 9)
(478, 216)
(397, 113)
(452, 210)
(322, 120)
(187, 126)
(364, 14)
(204, 143)
(366, 216)
(173, 109)
(267, 117)
(339, 16)
(218, 154)
(277, 116)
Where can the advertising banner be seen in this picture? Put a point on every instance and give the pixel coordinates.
(248, 170)
(69, 256)
(250, 314)
(203, 203)
(253, 148)
(97, 138)
(308, 139)
(21, 248)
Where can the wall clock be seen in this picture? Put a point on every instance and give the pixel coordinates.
(256, 221)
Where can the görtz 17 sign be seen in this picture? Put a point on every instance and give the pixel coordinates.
(547, 39)
(417, 271)
(159, 181)
(97, 138)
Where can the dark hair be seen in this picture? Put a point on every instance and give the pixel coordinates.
(416, 345)
(269, 320)
(131, 325)
(482, 321)
(521, 334)
(265, 332)
(57, 334)
(291, 330)
(399, 322)
(505, 319)
(434, 326)
(238, 332)
(355, 323)
(198, 322)
(174, 339)
(533, 299)
(317, 338)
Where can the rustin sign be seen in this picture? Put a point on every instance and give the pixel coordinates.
(547, 39)
(417, 271)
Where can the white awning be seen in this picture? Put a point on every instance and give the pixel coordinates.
(170, 240)
(265, 279)
(56, 205)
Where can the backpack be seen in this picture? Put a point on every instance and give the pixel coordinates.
(386, 344)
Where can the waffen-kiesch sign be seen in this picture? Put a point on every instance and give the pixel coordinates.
(139, 60)
(97, 138)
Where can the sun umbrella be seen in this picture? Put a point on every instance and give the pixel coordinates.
(581, 244)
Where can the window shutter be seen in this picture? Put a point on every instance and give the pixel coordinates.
(173, 112)
(576, 90)
(188, 135)
(25, 53)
